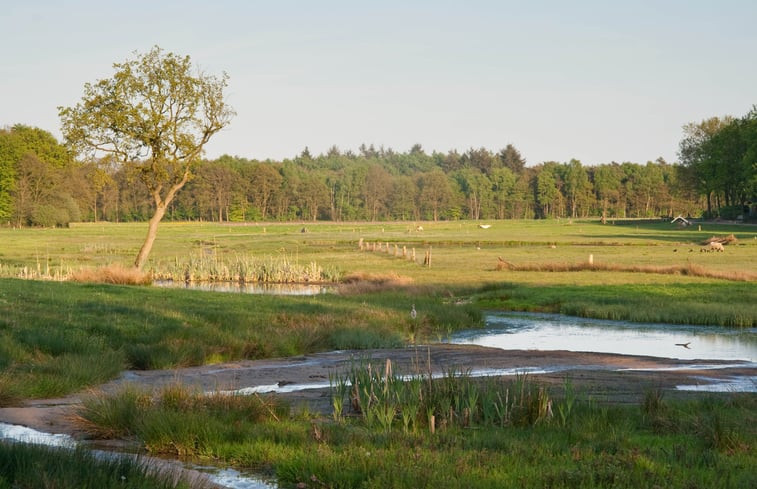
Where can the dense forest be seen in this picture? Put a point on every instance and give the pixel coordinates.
(42, 184)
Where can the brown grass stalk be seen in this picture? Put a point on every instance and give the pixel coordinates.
(688, 269)
(362, 282)
(112, 274)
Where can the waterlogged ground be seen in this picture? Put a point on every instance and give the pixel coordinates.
(305, 379)
(628, 360)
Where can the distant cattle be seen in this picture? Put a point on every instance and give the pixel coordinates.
(713, 246)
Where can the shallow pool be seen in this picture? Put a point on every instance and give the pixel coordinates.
(523, 331)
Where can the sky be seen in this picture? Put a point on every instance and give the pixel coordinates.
(598, 81)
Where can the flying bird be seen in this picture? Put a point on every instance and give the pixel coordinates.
(685, 345)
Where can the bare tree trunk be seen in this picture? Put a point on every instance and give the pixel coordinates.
(161, 205)
(152, 232)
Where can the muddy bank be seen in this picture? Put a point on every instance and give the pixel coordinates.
(604, 377)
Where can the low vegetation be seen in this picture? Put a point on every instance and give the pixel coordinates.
(544, 441)
(61, 337)
(688, 269)
(58, 338)
(730, 304)
(31, 466)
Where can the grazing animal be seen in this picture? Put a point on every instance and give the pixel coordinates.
(685, 345)
(419, 228)
(715, 246)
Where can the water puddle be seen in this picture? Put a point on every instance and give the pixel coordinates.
(23, 434)
(555, 332)
(747, 383)
(253, 288)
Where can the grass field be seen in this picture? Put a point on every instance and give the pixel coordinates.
(54, 333)
(58, 337)
(461, 251)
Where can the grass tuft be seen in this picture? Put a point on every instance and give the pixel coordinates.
(112, 274)
(362, 282)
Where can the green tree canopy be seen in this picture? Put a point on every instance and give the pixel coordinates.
(155, 115)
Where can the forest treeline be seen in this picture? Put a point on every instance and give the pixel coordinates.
(42, 184)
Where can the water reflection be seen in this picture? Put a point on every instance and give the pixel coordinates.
(23, 434)
(249, 288)
(555, 332)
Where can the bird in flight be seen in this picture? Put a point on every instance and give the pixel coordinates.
(685, 345)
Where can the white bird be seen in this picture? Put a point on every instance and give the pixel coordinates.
(413, 312)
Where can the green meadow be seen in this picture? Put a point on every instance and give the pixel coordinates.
(462, 253)
(59, 336)
(54, 331)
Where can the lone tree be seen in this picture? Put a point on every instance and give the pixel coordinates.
(154, 116)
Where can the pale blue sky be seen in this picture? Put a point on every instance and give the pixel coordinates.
(593, 80)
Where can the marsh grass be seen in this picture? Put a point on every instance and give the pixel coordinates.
(34, 466)
(732, 304)
(176, 419)
(419, 401)
(707, 442)
(57, 338)
(112, 274)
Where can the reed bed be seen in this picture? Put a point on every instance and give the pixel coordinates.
(386, 400)
(689, 269)
(209, 267)
(41, 271)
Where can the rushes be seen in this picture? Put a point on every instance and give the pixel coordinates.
(384, 399)
(242, 269)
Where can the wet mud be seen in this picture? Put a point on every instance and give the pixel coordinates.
(601, 377)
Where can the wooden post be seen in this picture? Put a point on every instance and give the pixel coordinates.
(413, 255)
(591, 259)
(360, 244)
(404, 251)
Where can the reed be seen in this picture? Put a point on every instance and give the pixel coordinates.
(243, 268)
(382, 397)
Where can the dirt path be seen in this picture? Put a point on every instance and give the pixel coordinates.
(605, 377)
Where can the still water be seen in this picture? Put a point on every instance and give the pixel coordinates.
(523, 331)
(250, 288)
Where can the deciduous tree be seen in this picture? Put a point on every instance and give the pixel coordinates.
(155, 115)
